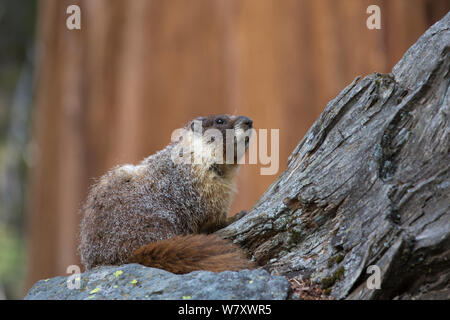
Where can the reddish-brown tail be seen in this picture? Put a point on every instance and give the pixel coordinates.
(184, 254)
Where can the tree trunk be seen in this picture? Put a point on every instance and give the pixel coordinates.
(367, 185)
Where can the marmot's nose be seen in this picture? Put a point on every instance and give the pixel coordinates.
(246, 121)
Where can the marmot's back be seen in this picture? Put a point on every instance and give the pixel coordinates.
(131, 206)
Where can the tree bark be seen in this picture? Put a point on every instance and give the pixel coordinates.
(367, 185)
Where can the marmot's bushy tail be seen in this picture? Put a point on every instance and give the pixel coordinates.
(183, 254)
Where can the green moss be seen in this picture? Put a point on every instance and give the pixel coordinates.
(335, 259)
(330, 262)
(327, 291)
(339, 273)
(329, 282)
(295, 237)
(339, 258)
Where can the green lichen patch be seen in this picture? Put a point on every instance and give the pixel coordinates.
(94, 291)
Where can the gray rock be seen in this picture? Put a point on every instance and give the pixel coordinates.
(133, 281)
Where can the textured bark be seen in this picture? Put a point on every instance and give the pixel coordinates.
(367, 185)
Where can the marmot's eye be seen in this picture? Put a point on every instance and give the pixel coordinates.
(220, 121)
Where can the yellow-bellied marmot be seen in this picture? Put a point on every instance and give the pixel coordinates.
(153, 213)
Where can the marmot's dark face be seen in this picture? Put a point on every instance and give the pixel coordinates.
(230, 131)
(223, 122)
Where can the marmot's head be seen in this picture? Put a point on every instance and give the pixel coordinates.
(217, 140)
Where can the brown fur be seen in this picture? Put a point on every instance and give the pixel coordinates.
(184, 254)
(145, 211)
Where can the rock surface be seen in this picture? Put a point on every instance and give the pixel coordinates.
(133, 281)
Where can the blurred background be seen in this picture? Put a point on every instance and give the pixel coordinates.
(74, 103)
